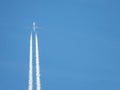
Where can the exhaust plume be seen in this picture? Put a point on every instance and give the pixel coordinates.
(37, 64)
(30, 65)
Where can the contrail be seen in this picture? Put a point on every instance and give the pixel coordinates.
(30, 87)
(37, 64)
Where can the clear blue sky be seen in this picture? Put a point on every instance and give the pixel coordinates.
(79, 43)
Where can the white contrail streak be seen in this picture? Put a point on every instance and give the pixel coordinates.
(37, 64)
(30, 87)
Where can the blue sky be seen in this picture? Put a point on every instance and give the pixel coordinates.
(79, 43)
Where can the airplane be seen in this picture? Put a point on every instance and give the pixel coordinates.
(34, 26)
